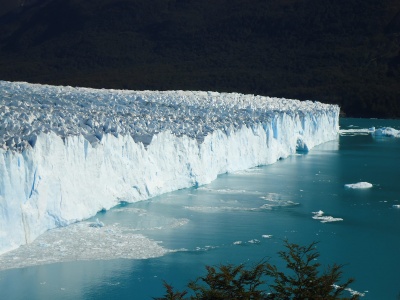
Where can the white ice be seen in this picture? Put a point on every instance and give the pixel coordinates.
(266, 236)
(217, 209)
(351, 291)
(359, 131)
(319, 215)
(67, 153)
(81, 241)
(384, 131)
(387, 131)
(276, 200)
(359, 185)
(254, 241)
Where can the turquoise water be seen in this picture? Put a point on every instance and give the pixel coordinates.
(244, 217)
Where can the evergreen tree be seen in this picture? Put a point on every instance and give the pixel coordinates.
(303, 280)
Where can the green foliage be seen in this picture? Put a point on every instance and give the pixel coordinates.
(230, 282)
(170, 294)
(302, 280)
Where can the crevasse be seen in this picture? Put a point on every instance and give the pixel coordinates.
(131, 146)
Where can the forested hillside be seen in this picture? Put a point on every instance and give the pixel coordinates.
(336, 51)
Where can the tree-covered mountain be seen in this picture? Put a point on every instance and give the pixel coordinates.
(336, 51)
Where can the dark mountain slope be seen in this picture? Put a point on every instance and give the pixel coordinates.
(345, 52)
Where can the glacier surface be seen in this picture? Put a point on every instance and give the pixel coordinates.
(67, 153)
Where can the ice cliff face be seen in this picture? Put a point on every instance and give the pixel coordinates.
(66, 153)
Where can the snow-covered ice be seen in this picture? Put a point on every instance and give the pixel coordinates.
(67, 153)
(359, 185)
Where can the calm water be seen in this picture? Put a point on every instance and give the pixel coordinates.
(245, 217)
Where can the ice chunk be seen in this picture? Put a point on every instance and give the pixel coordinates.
(254, 241)
(359, 185)
(387, 131)
(266, 236)
(319, 215)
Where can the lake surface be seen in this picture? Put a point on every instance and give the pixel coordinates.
(244, 218)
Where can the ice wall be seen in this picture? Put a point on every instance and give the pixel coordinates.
(67, 153)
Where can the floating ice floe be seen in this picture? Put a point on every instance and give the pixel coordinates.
(384, 131)
(205, 248)
(276, 200)
(227, 191)
(319, 215)
(387, 131)
(82, 241)
(217, 209)
(359, 131)
(359, 185)
(254, 241)
(277, 204)
(351, 291)
(266, 236)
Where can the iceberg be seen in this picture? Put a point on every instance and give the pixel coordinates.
(67, 153)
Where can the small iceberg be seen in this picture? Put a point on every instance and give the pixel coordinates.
(380, 132)
(254, 241)
(358, 185)
(319, 215)
(266, 236)
(387, 131)
(396, 205)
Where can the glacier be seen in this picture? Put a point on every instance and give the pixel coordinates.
(67, 153)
